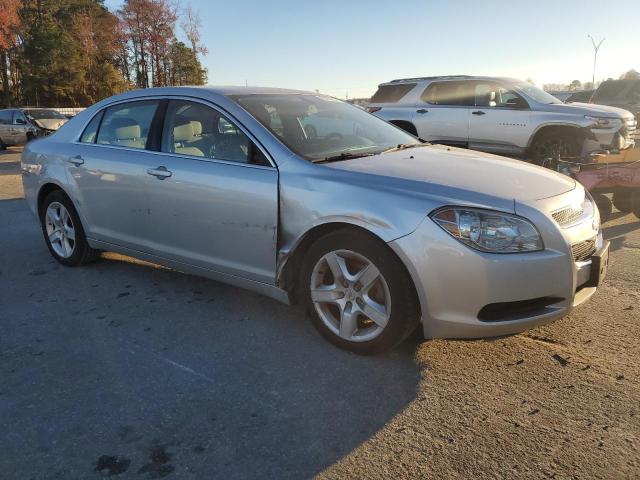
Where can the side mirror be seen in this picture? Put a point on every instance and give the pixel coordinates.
(20, 121)
(517, 102)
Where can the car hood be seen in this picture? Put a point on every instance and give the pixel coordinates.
(588, 109)
(464, 169)
(50, 123)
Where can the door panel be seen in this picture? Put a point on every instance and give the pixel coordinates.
(113, 192)
(444, 115)
(216, 215)
(440, 123)
(495, 126)
(109, 168)
(214, 195)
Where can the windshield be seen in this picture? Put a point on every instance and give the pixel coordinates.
(44, 114)
(536, 94)
(319, 127)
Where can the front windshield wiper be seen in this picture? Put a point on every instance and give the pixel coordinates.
(404, 146)
(342, 156)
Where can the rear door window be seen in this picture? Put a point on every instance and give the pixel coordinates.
(391, 93)
(6, 117)
(453, 93)
(127, 124)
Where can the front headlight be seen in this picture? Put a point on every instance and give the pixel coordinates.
(489, 231)
(602, 122)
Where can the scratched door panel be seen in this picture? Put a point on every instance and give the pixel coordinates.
(216, 215)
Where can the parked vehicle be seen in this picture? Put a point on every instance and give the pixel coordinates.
(371, 229)
(619, 93)
(15, 128)
(501, 115)
(47, 119)
(582, 96)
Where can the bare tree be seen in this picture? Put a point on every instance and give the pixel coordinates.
(191, 25)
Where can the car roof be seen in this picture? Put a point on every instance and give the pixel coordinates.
(448, 77)
(227, 91)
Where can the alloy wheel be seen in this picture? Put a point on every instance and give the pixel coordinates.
(60, 229)
(350, 295)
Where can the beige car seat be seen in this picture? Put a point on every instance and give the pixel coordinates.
(184, 138)
(125, 132)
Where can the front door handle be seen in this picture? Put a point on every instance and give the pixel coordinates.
(77, 160)
(422, 110)
(160, 173)
(478, 112)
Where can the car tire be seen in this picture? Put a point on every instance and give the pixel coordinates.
(605, 206)
(63, 231)
(551, 145)
(3, 146)
(367, 318)
(623, 201)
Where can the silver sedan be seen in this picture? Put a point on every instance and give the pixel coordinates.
(307, 199)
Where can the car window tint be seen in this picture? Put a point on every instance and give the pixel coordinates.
(89, 134)
(6, 117)
(127, 124)
(493, 95)
(391, 93)
(197, 130)
(449, 93)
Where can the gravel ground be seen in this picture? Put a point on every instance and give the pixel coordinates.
(127, 370)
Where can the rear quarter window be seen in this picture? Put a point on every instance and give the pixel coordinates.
(391, 93)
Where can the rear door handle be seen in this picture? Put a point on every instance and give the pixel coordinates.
(77, 160)
(160, 173)
(478, 112)
(422, 110)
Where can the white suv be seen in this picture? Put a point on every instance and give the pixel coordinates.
(501, 115)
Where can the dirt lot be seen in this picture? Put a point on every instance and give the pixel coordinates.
(126, 369)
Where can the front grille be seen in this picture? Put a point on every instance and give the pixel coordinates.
(567, 215)
(629, 131)
(583, 250)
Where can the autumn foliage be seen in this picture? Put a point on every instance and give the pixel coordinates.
(76, 52)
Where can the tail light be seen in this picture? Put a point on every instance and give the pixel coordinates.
(373, 109)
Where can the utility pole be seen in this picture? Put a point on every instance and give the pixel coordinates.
(595, 58)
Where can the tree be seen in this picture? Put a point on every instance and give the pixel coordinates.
(630, 75)
(191, 25)
(185, 69)
(9, 23)
(575, 85)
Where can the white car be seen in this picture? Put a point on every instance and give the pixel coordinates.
(501, 115)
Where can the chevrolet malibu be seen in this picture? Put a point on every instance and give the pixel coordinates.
(373, 230)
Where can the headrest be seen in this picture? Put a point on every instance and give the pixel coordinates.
(124, 129)
(183, 132)
(197, 128)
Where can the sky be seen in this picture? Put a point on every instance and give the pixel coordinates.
(348, 47)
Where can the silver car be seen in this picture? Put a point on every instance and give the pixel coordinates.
(15, 128)
(373, 230)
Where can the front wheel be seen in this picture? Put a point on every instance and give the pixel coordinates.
(554, 145)
(63, 231)
(623, 201)
(360, 296)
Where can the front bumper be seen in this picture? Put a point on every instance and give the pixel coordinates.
(612, 138)
(455, 283)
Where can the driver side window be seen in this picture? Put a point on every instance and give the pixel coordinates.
(196, 130)
(494, 95)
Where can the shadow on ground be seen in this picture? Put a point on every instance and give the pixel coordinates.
(125, 368)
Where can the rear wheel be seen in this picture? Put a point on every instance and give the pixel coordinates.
(623, 201)
(635, 203)
(359, 294)
(63, 231)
